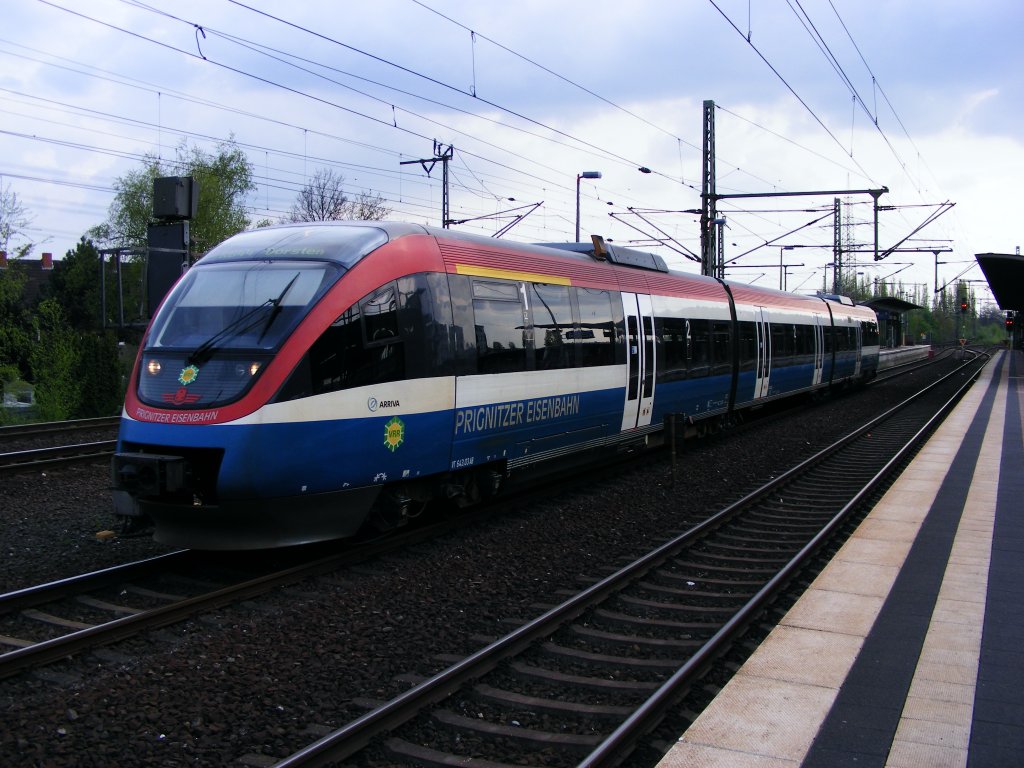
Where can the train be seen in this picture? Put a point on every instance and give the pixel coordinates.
(305, 382)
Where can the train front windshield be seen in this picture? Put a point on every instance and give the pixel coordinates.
(239, 305)
(220, 326)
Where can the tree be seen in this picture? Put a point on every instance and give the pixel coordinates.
(100, 385)
(15, 320)
(54, 362)
(225, 179)
(324, 199)
(76, 285)
(14, 219)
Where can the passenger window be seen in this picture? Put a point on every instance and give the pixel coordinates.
(595, 335)
(671, 332)
(699, 332)
(499, 325)
(552, 326)
(721, 338)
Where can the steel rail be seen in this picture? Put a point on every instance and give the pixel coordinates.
(45, 427)
(36, 458)
(47, 651)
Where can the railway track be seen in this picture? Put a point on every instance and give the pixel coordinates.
(15, 431)
(59, 619)
(34, 459)
(29, 447)
(584, 683)
(943, 355)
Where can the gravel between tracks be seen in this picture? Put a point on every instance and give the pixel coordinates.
(252, 680)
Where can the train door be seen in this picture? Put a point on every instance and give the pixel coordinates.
(639, 360)
(819, 350)
(763, 367)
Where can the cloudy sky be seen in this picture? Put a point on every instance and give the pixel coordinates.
(923, 97)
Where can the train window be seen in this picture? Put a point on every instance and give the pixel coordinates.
(671, 333)
(748, 345)
(804, 343)
(699, 332)
(721, 347)
(239, 305)
(332, 359)
(595, 335)
(782, 343)
(869, 333)
(552, 326)
(361, 347)
(500, 327)
(380, 316)
(842, 339)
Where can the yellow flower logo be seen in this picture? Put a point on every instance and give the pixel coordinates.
(394, 434)
(188, 375)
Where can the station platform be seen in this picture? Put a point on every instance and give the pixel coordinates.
(907, 651)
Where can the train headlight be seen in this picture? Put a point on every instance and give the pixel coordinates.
(153, 367)
(242, 370)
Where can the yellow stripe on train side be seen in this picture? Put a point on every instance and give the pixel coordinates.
(509, 274)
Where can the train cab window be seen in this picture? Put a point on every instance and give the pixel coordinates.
(384, 359)
(362, 346)
(552, 326)
(595, 334)
(500, 327)
(380, 315)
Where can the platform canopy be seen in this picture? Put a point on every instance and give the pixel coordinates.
(890, 304)
(1005, 275)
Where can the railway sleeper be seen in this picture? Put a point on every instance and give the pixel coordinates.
(580, 656)
(511, 699)
(601, 637)
(678, 608)
(708, 568)
(538, 739)
(627, 620)
(581, 681)
(433, 758)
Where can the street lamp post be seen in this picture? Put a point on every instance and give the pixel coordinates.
(584, 175)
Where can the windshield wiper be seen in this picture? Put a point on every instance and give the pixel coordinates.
(240, 325)
(277, 308)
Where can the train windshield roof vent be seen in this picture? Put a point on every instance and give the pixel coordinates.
(616, 254)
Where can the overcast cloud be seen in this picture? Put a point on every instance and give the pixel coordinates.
(540, 92)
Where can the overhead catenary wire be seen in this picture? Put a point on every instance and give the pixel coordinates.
(481, 182)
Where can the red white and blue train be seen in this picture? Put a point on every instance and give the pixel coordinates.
(301, 381)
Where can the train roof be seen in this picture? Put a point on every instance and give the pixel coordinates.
(346, 242)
